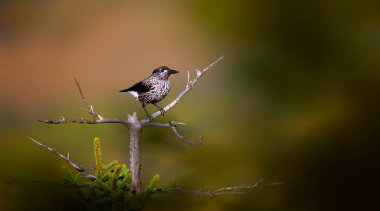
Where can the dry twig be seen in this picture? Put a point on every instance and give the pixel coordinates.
(90, 108)
(235, 190)
(67, 159)
(173, 126)
(84, 121)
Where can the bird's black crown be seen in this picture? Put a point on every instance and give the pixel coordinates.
(164, 69)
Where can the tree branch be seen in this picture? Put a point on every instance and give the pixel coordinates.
(97, 119)
(135, 127)
(90, 108)
(190, 84)
(173, 126)
(84, 121)
(235, 190)
(67, 159)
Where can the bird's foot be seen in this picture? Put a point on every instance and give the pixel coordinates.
(162, 111)
(149, 117)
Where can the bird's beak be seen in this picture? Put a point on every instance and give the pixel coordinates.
(173, 72)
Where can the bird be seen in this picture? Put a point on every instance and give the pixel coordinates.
(152, 89)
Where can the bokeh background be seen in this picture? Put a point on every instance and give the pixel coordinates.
(295, 99)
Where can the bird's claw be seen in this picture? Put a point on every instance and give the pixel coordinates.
(162, 111)
(149, 117)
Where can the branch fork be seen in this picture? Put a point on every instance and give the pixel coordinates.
(135, 127)
(175, 189)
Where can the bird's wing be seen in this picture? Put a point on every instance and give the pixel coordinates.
(140, 87)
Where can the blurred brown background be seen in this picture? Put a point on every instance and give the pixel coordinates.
(295, 99)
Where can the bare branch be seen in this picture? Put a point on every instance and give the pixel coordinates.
(188, 87)
(173, 126)
(159, 124)
(188, 80)
(197, 144)
(135, 127)
(97, 119)
(90, 108)
(76, 166)
(212, 64)
(84, 121)
(236, 190)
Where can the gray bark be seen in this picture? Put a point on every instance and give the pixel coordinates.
(134, 152)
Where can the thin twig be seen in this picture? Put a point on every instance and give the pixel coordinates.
(84, 121)
(90, 108)
(235, 190)
(212, 64)
(188, 87)
(173, 126)
(170, 124)
(188, 80)
(97, 119)
(76, 166)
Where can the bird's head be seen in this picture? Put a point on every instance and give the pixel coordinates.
(163, 72)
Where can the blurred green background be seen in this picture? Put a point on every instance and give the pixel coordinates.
(295, 99)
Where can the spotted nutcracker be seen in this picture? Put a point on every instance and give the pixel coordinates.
(152, 89)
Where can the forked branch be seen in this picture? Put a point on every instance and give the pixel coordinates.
(90, 108)
(135, 128)
(189, 85)
(67, 159)
(97, 118)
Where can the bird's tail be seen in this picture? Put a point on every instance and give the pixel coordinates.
(125, 90)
